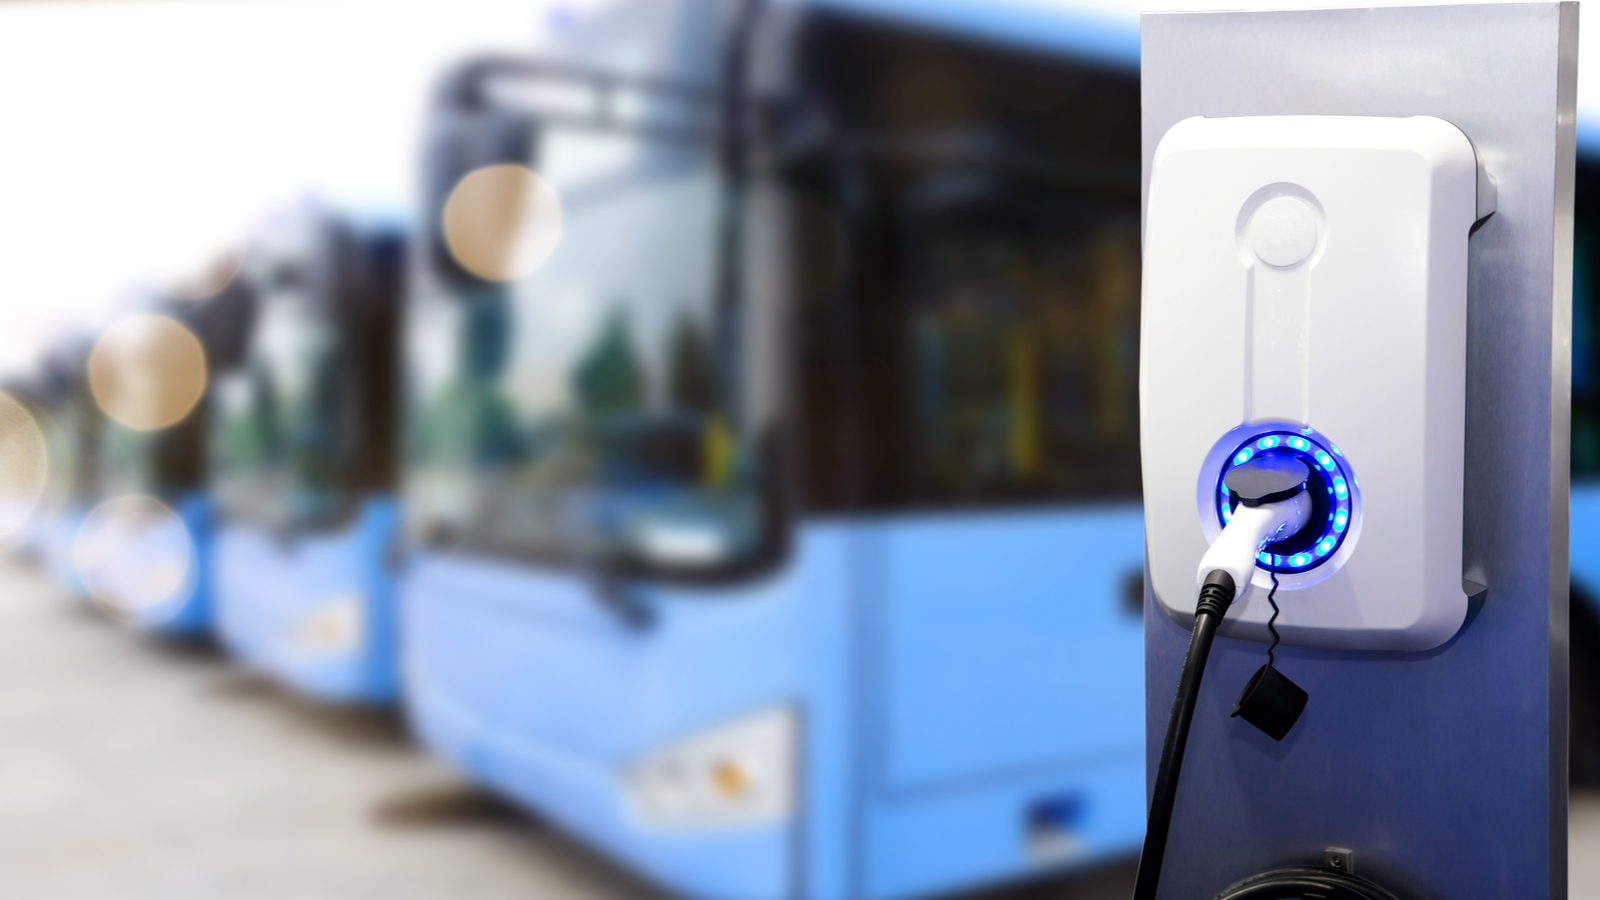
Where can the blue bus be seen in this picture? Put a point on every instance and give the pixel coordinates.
(37, 394)
(770, 488)
(71, 424)
(138, 531)
(1584, 556)
(303, 459)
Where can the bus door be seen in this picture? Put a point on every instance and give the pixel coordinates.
(969, 385)
(1584, 535)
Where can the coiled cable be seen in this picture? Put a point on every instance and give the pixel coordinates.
(1272, 598)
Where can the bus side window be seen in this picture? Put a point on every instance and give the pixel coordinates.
(1585, 388)
(980, 344)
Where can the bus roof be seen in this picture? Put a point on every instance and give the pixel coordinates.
(1588, 138)
(1042, 25)
(1025, 23)
(1037, 23)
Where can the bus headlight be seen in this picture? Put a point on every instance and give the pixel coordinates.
(135, 556)
(737, 774)
(335, 626)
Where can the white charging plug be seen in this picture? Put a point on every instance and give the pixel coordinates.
(1250, 527)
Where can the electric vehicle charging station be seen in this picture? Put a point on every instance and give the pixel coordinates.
(1355, 358)
(1282, 344)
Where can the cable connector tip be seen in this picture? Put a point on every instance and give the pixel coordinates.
(1216, 594)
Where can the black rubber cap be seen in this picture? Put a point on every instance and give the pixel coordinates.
(1267, 479)
(1271, 702)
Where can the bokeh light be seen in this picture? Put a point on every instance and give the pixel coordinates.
(133, 553)
(147, 371)
(24, 465)
(502, 222)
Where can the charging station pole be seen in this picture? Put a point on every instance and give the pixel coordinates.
(1441, 771)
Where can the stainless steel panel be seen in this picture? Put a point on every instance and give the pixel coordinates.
(1445, 771)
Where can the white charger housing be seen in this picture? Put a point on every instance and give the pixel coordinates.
(1305, 292)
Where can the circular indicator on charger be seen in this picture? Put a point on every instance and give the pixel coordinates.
(1328, 486)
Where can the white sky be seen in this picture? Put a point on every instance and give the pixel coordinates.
(139, 135)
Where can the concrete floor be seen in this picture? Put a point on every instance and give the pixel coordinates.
(136, 770)
(1583, 847)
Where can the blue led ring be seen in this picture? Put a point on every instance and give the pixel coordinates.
(1331, 474)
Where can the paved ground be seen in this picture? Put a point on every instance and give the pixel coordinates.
(1583, 847)
(132, 770)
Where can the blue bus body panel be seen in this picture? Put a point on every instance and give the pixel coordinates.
(1009, 685)
(315, 610)
(581, 796)
(923, 845)
(955, 663)
(524, 679)
(189, 611)
(186, 610)
(1584, 538)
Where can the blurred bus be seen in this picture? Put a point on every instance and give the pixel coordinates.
(71, 429)
(141, 548)
(772, 474)
(27, 406)
(304, 459)
(1584, 547)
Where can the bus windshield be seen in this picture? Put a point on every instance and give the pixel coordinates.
(279, 439)
(163, 463)
(286, 417)
(245, 471)
(591, 411)
(1585, 305)
(80, 428)
(128, 460)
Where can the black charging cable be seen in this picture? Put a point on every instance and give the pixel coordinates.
(1274, 714)
(1216, 595)
(1286, 883)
